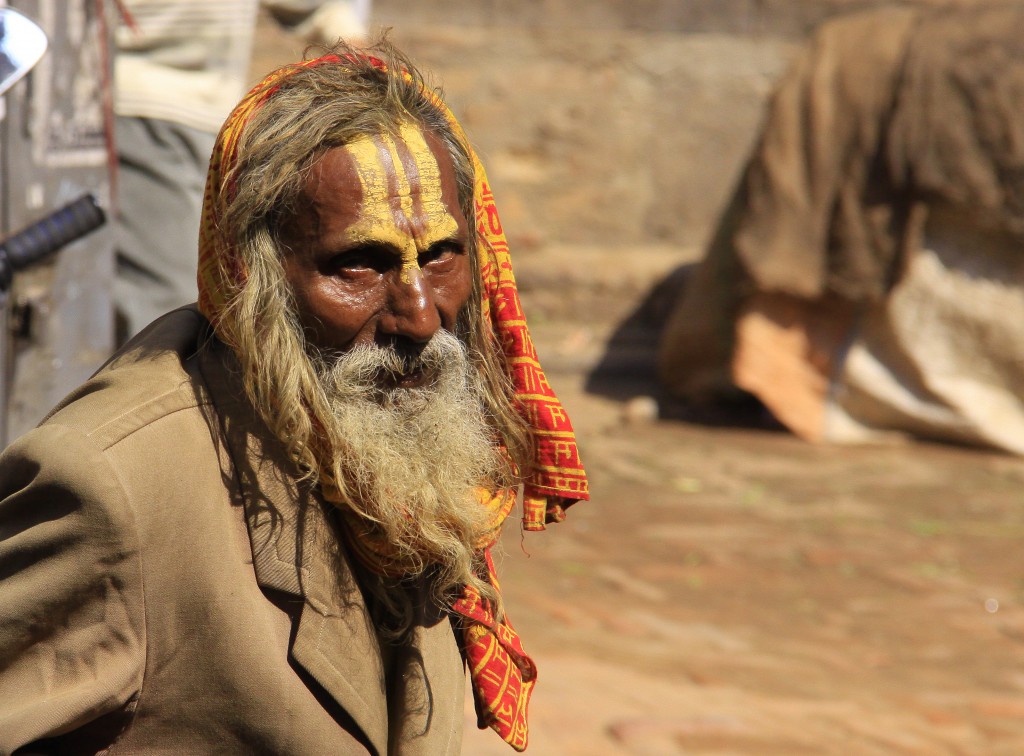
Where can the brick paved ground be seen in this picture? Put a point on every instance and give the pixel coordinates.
(742, 592)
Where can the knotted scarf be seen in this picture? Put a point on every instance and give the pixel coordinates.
(502, 674)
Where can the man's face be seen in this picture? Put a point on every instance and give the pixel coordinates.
(378, 251)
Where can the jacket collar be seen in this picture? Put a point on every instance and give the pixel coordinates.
(296, 551)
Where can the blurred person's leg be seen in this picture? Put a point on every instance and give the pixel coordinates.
(160, 188)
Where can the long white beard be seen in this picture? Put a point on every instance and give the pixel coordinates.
(414, 458)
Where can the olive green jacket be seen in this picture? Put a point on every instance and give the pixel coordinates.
(166, 586)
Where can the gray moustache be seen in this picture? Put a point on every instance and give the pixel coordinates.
(372, 367)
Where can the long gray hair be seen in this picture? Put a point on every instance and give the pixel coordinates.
(313, 108)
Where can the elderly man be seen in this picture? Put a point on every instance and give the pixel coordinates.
(265, 525)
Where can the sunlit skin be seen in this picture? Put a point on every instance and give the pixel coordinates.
(378, 250)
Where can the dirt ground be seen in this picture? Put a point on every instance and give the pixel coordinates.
(734, 591)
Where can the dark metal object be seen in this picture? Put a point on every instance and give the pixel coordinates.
(42, 239)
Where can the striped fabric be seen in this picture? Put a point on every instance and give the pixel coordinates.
(184, 61)
(502, 674)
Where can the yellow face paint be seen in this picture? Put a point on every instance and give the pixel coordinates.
(403, 205)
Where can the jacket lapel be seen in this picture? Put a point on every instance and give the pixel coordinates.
(295, 550)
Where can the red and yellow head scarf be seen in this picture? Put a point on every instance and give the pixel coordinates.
(502, 674)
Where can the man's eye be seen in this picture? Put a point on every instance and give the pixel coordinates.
(357, 261)
(440, 253)
(352, 261)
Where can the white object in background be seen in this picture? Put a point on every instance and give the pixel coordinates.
(22, 44)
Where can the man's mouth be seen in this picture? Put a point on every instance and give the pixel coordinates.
(411, 377)
(410, 380)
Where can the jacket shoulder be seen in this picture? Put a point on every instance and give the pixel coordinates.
(153, 376)
(72, 589)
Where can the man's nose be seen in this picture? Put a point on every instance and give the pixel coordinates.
(412, 311)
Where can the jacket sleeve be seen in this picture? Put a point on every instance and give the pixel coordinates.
(72, 630)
